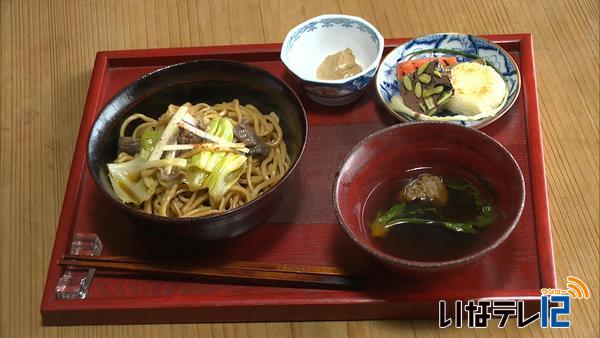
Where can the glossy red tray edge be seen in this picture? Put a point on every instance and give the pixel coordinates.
(536, 162)
(54, 313)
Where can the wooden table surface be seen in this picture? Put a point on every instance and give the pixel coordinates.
(46, 57)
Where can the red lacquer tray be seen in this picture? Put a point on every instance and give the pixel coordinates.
(304, 230)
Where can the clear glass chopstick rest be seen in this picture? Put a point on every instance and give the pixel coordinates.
(75, 282)
(86, 245)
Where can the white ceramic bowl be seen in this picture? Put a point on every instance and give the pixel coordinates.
(307, 45)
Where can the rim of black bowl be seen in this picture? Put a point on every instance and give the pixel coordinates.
(226, 213)
(486, 121)
(425, 265)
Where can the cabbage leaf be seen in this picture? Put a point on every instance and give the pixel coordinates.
(217, 171)
(203, 163)
(225, 174)
(128, 183)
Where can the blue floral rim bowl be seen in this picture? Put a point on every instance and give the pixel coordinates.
(387, 80)
(309, 43)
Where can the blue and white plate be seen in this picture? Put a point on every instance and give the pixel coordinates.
(387, 80)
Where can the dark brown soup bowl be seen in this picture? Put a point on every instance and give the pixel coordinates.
(369, 179)
(210, 81)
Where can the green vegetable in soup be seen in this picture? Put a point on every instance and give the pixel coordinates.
(379, 226)
(416, 213)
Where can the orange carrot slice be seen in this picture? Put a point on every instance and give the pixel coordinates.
(408, 67)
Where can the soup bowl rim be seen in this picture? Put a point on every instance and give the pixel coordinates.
(397, 261)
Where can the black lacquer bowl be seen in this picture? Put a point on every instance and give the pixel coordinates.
(210, 81)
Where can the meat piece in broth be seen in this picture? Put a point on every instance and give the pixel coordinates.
(427, 188)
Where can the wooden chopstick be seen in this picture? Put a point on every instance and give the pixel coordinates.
(246, 265)
(219, 274)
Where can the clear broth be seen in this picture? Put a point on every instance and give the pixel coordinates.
(428, 242)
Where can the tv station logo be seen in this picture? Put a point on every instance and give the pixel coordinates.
(555, 307)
